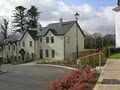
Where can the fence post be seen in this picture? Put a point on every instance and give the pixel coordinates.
(99, 61)
(79, 62)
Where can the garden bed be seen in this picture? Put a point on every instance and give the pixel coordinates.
(76, 80)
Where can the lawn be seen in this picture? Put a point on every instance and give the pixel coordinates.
(115, 56)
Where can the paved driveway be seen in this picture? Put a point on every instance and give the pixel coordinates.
(29, 77)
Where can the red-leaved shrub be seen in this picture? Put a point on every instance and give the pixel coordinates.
(55, 85)
(75, 80)
(70, 78)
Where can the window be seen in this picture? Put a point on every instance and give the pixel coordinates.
(14, 47)
(52, 39)
(30, 43)
(47, 53)
(47, 39)
(40, 39)
(9, 47)
(53, 53)
(32, 54)
(67, 39)
(23, 43)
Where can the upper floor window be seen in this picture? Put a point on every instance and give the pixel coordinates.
(30, 43)
(14, 47)
(47, 39)
(52, 39)
(47, 53)
(67, 39)
(23, 43)
(40, 39)
(9, 47)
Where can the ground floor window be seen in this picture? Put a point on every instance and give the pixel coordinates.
(19, 58)
(53, 53)
(47, 53)
(32, 55)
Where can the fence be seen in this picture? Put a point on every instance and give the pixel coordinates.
(79, 60)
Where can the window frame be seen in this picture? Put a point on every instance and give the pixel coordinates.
(47, 53)
(53, 53)
(41, 39)
(30, 43)
(47, 39)
(9, 47)
(52, 40)
(23, 43)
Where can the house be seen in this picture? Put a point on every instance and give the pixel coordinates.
(58, 40)
(117, 24)
(55, 41)
(17, 45)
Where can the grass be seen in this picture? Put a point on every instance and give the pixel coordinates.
(115, 56)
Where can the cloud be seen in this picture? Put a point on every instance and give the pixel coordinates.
(91, 19)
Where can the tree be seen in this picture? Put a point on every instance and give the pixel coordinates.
(20, 18)
(33, 16)
(4, 29)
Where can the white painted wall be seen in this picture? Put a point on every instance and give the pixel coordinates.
(27, 38)
(58, 46)
(117, 20)
(71, 46)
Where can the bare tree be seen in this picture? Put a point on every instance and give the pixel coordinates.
(4, 29)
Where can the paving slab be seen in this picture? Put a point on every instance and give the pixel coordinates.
(110, 72)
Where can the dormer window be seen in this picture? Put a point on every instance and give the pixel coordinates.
(9, 47)
(40, 39)
(14, 47)
(52, 39)
(47, 39)
(30, 43)
(23, 43)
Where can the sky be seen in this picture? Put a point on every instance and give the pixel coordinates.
(96, 16)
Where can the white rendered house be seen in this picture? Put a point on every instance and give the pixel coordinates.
(117, 24)
(21, 42)
(58, 40)
(55, 41)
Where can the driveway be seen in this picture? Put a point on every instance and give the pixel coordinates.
(29, 77)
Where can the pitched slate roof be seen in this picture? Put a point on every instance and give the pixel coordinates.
(12, 39)
(56, 29)
(17, 37)
(33, 33)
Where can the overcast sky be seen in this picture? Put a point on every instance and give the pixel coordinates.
(95, 15)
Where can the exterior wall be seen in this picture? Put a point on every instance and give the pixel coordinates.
(38, 48)
(27, 38)
(71, 46)
(15, 53)
(117, 29)
(58, 46)
(7, 52)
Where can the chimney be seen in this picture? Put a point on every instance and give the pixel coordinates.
(39, 27)
(61, 21)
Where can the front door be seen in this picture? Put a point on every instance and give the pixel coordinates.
(41, 54)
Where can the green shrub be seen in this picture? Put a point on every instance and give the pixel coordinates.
(106, 52)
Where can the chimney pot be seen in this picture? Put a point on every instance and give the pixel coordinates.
(61, 21)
